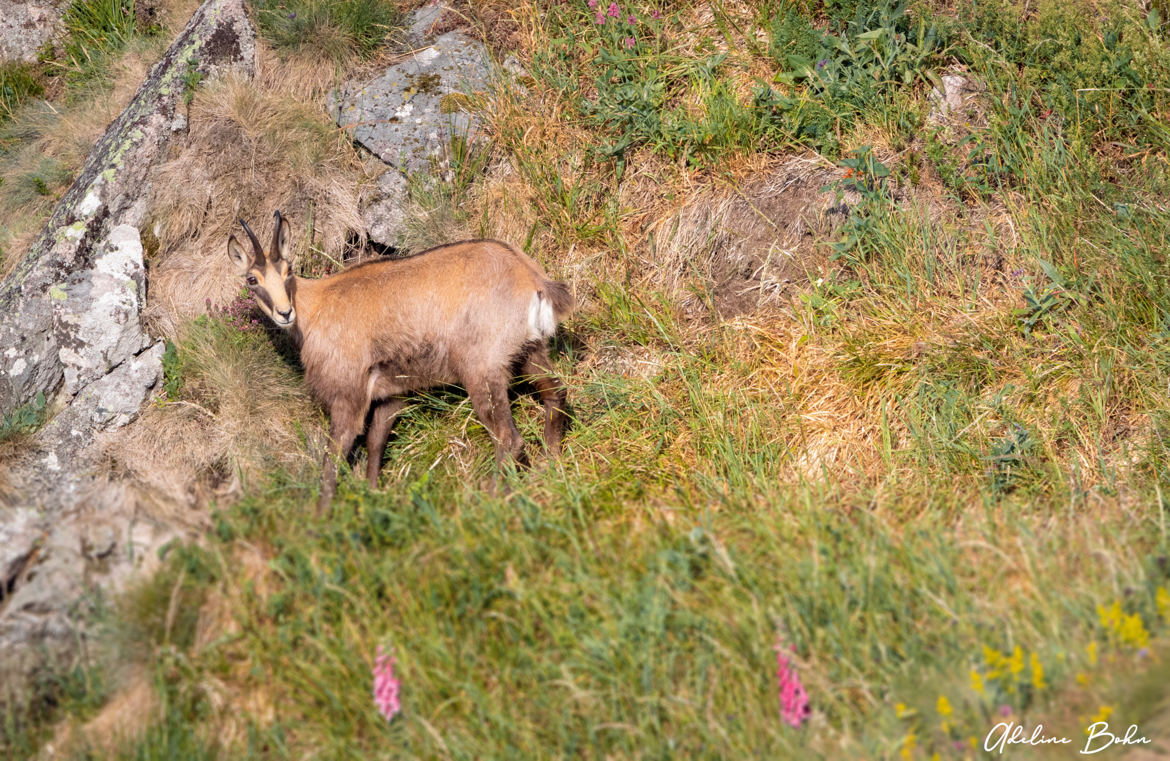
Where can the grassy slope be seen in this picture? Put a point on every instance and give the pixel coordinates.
(948, 444)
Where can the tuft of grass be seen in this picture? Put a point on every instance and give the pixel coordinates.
(336, 31)
(97, 31)
(18, 83)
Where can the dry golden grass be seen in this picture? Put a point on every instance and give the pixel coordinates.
(254, 147)
(121, 720)
(240, 419)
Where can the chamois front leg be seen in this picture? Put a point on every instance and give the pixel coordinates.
(344, 425)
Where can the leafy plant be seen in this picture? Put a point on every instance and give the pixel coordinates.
(23, 419)
(172, 371)
(865, 175)
(838, 75)
(1011, 456)
(191, 79)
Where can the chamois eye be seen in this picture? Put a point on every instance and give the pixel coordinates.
(251, 280)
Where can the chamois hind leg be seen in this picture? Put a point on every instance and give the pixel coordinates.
(345, 423)
(377, 434)
(489, 397)
(538, 369)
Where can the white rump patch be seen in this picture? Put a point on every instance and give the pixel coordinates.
(542, 321)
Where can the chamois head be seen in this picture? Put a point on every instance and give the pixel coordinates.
(269, 277)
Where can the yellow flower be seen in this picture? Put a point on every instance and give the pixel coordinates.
(1092, 652)
(1110, 617)
(1016, 664)
(900, 710)
(935, 757)
(973, 741)
(944, 706)
(1133, 632)
(976, 682)
(995, 663)
(909, 743)
(1037, 672)
(1162, 602)
(1082, 678)
(1102, 715)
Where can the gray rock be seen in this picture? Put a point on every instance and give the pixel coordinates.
(950, 100)
(21, 530)
(385, 217)
(95, 311)
(408, 115)
(62, 448)
(513, 66)
(26, 26)
(421, 22)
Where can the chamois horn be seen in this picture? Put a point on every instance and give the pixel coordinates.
(275, 250)
(255, 242)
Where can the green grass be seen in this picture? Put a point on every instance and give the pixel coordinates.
(18, 83)
(334, 30)
(97, 30)
(932, 475)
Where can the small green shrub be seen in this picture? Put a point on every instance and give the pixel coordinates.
(835, 78)
(24, 419)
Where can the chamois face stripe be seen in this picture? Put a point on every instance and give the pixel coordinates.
(265, 299)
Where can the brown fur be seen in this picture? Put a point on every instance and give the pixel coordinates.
(459, 313)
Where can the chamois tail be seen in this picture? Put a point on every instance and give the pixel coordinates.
(548, 307)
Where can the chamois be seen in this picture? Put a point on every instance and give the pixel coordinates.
(467, 313)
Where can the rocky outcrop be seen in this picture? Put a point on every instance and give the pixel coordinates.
(70, 329)
(408, 115)
(384, 216)
(26, 26)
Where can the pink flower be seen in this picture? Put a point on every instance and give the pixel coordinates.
(629, 42)
(655, 14)
(600, 18)
(386, 686)
(592, 3)
(631, 19)
(794, 707)
(613, 10)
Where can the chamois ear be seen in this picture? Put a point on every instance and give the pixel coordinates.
(281, 236)
(241, 258)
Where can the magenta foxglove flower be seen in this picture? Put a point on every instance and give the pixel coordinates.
(794, 706)
(386, 686)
